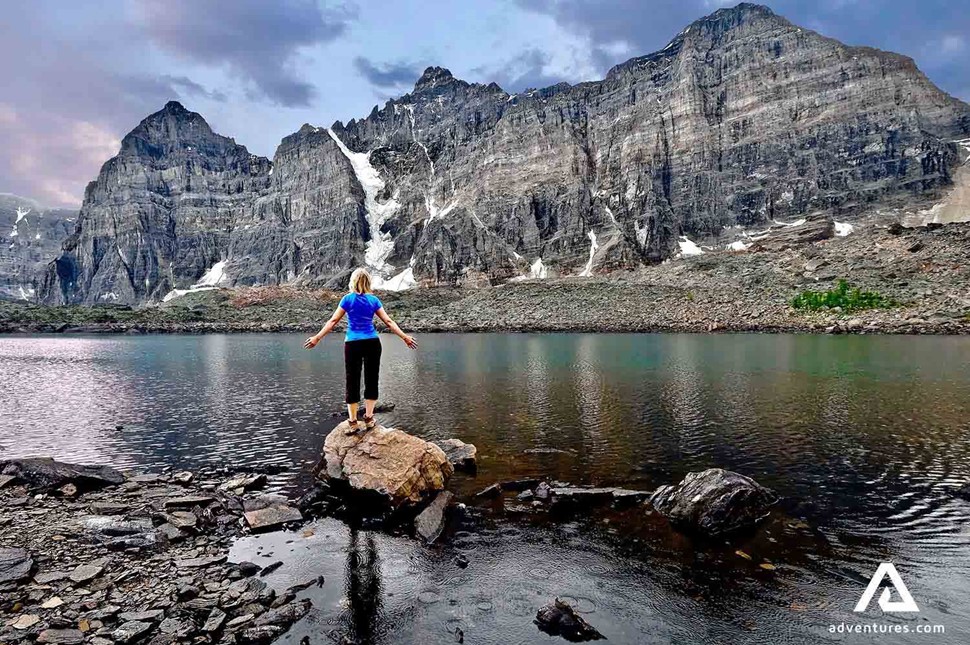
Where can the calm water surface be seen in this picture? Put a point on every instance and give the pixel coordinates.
(866, 437)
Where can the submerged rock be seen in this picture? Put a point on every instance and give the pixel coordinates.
(714, 501)
(400, 467)
(244, 483)
(43, 473)
(463, 456)
(380, 408)
(560, 619)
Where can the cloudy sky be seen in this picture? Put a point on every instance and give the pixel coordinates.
(79, 75)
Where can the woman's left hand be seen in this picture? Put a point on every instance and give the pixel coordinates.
(311, 342)
(410, 342)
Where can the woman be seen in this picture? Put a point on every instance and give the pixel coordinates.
(362, 346)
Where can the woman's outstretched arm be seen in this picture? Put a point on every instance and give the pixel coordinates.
(408, 340)
(312, 341)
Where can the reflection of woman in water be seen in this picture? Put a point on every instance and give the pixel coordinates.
(364, 591)
(362, 347)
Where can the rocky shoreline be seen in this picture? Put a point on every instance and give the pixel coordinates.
(92, 555)
(922, 269)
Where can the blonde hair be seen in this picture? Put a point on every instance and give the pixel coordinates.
(360, 281)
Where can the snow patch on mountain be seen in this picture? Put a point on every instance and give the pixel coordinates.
(687, 247)
(593, 246)
(380, 245)
(214, 276)
(842, 229)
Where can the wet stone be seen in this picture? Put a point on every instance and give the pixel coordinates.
(560, 619)
(286, 615)
(245, 483)
(248, 568)
(713, 502)
(430, 523)
(184, 478)
(272, 517)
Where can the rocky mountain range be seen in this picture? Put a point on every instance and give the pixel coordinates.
(743, 118)
(31, 238)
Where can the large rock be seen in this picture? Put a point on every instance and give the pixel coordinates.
(400, 467)
(714, 501)
(43, 473)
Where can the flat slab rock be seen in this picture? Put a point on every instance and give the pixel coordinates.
(401, 467)
(714, 501)
(271, 517)
(189, 501)
(43, 473)
(85, 572)
(198, 563)
(15, 564)
(61, 637)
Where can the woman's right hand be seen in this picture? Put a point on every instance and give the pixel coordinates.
(311, 342)
(409, 341)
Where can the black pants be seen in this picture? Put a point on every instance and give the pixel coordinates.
(364, 354)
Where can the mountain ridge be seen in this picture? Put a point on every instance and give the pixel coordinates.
(742, 118)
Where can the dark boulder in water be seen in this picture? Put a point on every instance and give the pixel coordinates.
(560, 619)
(43, 473)
(713, 502)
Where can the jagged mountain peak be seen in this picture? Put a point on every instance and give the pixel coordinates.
(174, 107)
(434, 77)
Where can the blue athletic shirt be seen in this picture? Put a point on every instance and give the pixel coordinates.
(360, 308)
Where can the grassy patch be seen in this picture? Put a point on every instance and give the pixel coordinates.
(844, 296)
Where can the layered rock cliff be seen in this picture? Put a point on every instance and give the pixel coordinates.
(31, 237)
(743, 117)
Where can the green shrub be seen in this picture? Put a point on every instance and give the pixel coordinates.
(846, 297)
